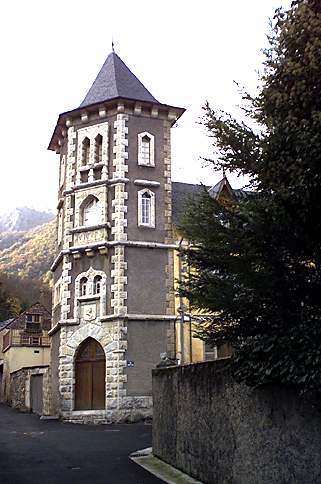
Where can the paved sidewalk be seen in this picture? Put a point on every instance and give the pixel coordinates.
(34, 451)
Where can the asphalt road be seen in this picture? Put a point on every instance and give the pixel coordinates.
(34, 451)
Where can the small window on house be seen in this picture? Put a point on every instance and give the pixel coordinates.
(98, 148)
(91, 213)
(33, 318)
(83, 286)
(210, 352)
(146, 208)
(85, 151)
(97, 284)
(146, 149)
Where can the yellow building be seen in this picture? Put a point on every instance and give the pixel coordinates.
(190, 349)
(24, 344)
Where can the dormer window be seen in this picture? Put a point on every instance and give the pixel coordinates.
(146, 149)
(85, 151)
(91, 212)
(83, 286)
(98, 148)
(33, 322)
(146, 208)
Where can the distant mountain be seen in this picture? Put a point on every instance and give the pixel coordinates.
(28, 254)
(23, 218)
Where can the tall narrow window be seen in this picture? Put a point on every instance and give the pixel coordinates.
(62, 171)
(91, 212)
(97, 284)
(85, 151)
(83, 286)
(146, 149)
(146, 208)
(60, 226)
(98, 148)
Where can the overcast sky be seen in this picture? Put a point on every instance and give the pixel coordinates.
(184, 52)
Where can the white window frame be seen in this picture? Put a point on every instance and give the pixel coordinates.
(58, 292)
(83, 286)
(62, 171)
(97, 284)
(141, 158)
(60, 226)
(141, 222)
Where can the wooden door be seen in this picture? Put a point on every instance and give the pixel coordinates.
(90, 376)
(36, 386)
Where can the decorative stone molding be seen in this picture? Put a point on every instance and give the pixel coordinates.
(120, 144)
(140, 317)
(66, 281)
(147, 183)
(112, 339)
(168, 182)
(119, 280)
(109, 244)
(81, 196)
(141, 158)
(102, 296)
(150, 223)
(119, 266)
(71, 157)
(91, 132)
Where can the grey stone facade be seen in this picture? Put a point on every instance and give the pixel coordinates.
(133, 315)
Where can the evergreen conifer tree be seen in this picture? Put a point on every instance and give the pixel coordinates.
(256, 262)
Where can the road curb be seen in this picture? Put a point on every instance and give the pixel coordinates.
(160, 469)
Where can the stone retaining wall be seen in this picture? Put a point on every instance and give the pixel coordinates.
(20, 388)
(218, 431)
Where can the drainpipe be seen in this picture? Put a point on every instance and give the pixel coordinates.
(181, 305)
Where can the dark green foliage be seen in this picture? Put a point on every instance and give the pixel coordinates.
(9, 306)
(258, 261)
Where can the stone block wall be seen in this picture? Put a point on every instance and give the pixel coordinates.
(218, 431)
(20, 388)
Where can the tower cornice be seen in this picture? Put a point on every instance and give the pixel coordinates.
(94, 112)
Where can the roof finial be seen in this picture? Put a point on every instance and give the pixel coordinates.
(223, 169)
(112, 45)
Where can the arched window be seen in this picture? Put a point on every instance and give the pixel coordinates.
(146, 149)
(98, 148)
(86, 151)
(83, 286)
(97, 284)
(146, 208)
(91, 212)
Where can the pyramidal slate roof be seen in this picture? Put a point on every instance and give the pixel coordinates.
(116, 80)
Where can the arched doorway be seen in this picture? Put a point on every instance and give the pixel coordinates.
(90, 376)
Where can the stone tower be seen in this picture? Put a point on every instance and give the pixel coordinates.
(113, 312)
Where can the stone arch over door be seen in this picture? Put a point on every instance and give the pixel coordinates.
(90, 371)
